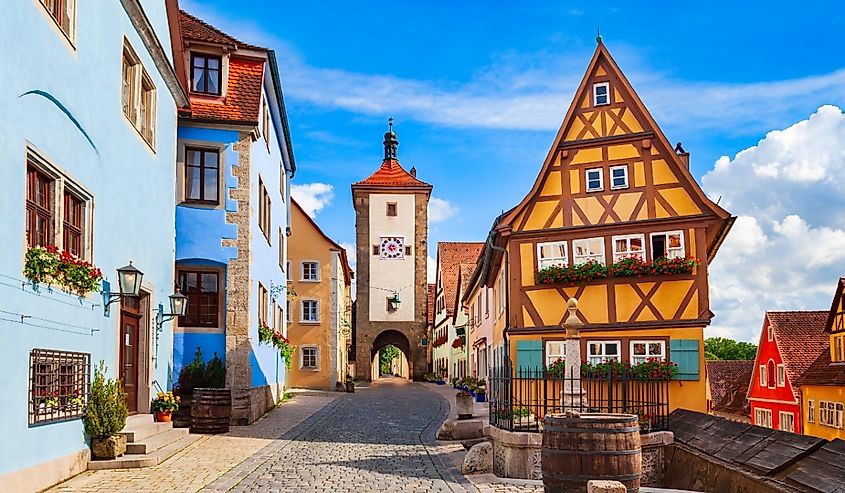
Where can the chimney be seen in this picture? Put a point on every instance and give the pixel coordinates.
(684, 155)
(414, 171)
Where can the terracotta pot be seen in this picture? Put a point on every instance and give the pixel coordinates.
(109, 447)
(163, 416)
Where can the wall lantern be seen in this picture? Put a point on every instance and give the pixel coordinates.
(129, 283)
(394, 301)
(178, 308)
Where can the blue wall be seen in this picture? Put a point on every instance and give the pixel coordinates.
(65, 101)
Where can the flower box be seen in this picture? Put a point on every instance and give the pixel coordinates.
(47, 265)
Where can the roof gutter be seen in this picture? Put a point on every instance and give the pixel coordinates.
(277, 85)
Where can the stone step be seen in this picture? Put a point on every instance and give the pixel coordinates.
(157, 441)
(141, 426)
(147, 460)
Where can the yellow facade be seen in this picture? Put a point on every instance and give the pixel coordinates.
(818, 394)
(330, 333)
(614, 182)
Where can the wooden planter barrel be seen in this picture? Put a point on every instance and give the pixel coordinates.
(182, 417)
(590, 446)
(211, 410)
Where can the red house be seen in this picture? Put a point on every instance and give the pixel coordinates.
(789, 344)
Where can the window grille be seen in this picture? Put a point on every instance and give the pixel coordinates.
(58, 385)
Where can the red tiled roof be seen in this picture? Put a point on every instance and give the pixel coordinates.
(431, 290)
(800, 337)
(392, 174)
(196, 29)
(823, 372)
(450, 256)
(729, 381)
(243, 95)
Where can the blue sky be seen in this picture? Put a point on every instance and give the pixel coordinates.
(478, 90)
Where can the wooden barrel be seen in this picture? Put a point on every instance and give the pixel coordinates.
(590, 446)
(211, 410)
(182, 416)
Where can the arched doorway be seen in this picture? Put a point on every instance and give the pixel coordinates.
(398, 340)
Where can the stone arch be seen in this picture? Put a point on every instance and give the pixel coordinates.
(392, 337)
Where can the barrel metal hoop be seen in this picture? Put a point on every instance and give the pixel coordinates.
(572, 477)
(607, 431)
(590, 452)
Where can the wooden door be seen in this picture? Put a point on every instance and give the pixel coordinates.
(129, 326)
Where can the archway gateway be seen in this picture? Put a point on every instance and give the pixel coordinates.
(392, 338)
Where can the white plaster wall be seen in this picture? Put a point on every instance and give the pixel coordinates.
(388, 275)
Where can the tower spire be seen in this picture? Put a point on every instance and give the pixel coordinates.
(390, 141)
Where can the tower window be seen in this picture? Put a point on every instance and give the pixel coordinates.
(391, 209)
(601, 94)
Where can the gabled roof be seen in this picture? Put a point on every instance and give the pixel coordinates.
(729, 381)
(450, 256)
(824, 372)
(242, 103)
(431, 293)
(392, 174)
(800, 338)
(344, 259)
(196, 29)
(834, 307)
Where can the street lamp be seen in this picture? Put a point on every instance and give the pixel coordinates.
(394, 301)
(178, 308)
(129, 284)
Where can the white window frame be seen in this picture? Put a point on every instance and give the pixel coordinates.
(302, 352)
(811, 411)
(759, 414)
(671, 252)
(784, 416)
(555, 350)
(623, 167)
(780, 374)
(600, 171)
(302, 269)
(617, 255)
(606, 85)
(303, 312)
(584, 258)
(641, 359)
(763, 372)
(831, 414)
(143, 124)
(602, 358)
(769, 333)
(547, 262)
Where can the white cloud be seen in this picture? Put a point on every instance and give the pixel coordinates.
(431, 268)
(312, 196)
(350, 253)
(440, 210)
(787, 247)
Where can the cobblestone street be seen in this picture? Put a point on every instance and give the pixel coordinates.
(379, 439)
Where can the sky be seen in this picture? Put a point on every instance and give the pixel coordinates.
(755, 91)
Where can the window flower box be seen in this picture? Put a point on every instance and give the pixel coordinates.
(585, 272)
(636, 266)
(47, 265)
(275, 338)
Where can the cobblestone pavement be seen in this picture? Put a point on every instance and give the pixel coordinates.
(380, 439)
(206, 460)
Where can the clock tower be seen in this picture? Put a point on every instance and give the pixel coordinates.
(391, 226)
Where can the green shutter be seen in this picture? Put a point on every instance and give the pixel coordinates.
(684, 352)
(529, 357)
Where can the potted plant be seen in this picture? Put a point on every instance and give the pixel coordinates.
(164, 404)
(74, 402)
(48, 401)
(105, 416)
(464, 403)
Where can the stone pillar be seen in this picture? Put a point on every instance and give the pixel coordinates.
(572, 397)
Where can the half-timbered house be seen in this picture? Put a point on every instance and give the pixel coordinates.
(615, 219)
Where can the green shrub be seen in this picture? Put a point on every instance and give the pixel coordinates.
(106, 411)
(199, 374)
(215, 372)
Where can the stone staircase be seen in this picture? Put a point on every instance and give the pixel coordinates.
(147, 444)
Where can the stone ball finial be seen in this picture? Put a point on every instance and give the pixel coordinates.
(572, 303)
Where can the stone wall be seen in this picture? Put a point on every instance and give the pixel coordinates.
(654, 446)
(515, 454)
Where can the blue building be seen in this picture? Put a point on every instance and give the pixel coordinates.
(234, 165)
(89, 100)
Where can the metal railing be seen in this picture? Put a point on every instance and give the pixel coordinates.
(520, 398)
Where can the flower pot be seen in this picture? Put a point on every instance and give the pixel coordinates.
(108, 448)
(441, 382)
(464, 404)
(480, 397)
(163, 416)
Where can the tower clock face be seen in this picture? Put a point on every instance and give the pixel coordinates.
(392, 247)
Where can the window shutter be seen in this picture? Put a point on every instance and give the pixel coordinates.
(684, 352)
(529, 357)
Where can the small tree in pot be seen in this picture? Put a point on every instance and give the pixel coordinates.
(105, 416)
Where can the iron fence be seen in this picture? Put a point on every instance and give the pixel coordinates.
(519, 398)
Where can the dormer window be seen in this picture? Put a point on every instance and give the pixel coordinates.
(601, 94)
(205, 74)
